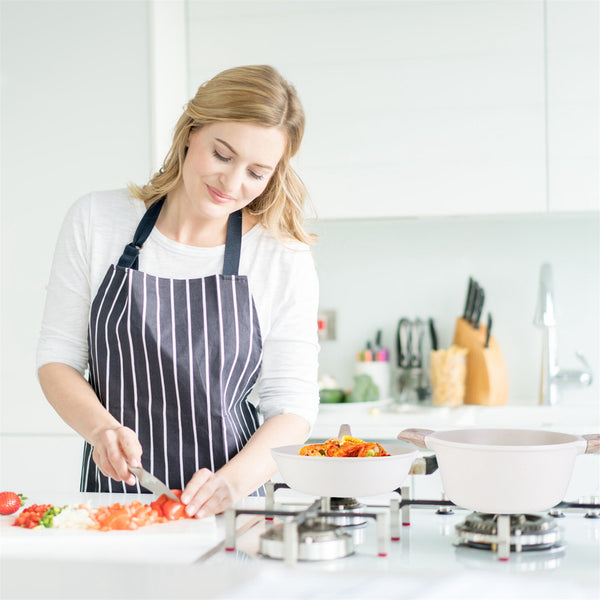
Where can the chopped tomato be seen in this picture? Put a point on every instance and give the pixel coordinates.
(127, 516)
(170, 509)
(174, 510)
(31, 516)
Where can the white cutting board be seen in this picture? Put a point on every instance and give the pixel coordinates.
(181, 542)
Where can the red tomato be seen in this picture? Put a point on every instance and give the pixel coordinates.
(174, 510)
(170, 509)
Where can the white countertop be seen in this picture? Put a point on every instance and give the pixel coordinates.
(385, 420)
(172, 562)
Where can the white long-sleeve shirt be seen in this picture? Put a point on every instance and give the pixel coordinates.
(282, 280)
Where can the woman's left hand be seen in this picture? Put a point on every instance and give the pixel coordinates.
(207, 494)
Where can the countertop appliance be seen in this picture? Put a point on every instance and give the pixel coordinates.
(290, 545)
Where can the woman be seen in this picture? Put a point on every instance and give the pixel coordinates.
(210, 289)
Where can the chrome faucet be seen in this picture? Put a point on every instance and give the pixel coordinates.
(552, 375)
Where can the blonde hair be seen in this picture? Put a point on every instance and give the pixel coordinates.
(255, 94)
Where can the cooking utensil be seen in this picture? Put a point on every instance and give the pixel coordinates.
(344, 477)
(504, 471)
(152, 483)
(416, 343)
(403, 343)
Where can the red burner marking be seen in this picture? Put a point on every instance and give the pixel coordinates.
(395, 539)
(229, 549)
(503, 559)
(382, 554)
(405, 524)
(268, 518)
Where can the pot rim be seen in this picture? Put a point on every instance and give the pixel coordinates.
(436, 439)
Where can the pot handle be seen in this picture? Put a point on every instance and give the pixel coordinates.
(593, 443)
(344, 430)
(415, 436)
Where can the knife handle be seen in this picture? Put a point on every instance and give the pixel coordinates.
(433, 335)
(468, 300)
(488, 331)
(479, 300)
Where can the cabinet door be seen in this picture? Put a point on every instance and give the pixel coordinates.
(573, 104)
(413, 108)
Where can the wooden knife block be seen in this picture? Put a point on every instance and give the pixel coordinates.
(487, 380)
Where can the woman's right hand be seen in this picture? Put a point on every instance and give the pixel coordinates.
(115, 450)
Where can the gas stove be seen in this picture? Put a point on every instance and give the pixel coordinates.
(292, 535)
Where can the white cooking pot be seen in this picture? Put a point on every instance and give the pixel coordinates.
(504, 471)
(344, 477)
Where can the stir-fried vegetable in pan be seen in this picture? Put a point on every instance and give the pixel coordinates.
(347, 446)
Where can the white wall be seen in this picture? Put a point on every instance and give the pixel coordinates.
(75, 117)
(374, 272)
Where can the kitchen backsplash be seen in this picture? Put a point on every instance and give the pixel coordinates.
(373, 272)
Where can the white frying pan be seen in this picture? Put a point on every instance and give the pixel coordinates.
(504, 471)
(344, 477)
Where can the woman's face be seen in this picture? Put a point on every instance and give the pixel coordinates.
(227, 166)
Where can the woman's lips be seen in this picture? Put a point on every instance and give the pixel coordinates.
(218, 196)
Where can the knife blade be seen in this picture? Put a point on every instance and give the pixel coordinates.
(152, 483)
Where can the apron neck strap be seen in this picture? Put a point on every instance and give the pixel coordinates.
(233, 242)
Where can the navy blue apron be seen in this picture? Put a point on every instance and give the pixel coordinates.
(175, 360)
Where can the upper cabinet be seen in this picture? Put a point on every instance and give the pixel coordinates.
(413, 108)
(573, 104)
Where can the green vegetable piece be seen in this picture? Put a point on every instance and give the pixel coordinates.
(364, 390)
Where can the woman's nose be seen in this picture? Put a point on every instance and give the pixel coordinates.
(231, 180)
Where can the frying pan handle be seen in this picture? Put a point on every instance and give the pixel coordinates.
(593, 443)
(415, 436)
(344, 430)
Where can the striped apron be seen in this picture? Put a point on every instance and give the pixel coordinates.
(175, 360)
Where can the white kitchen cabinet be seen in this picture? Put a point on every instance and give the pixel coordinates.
(573, 57)
(413, 108)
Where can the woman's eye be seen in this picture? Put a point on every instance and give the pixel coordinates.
(255, 175)
(220, 157)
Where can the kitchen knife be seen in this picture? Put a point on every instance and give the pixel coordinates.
(478, 307)
(403, 343)
(152, 483)
(433, 335)
(489, 329)
(470, 299)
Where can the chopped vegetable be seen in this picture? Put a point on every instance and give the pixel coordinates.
(170, 509)
(105, 518)
(31, 516)
(347, 446)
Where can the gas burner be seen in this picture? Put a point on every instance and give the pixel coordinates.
(350, 511)
(328, 529)
(504, 533)
(317, 540)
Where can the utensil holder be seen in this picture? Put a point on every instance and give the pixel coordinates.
(487, 379)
